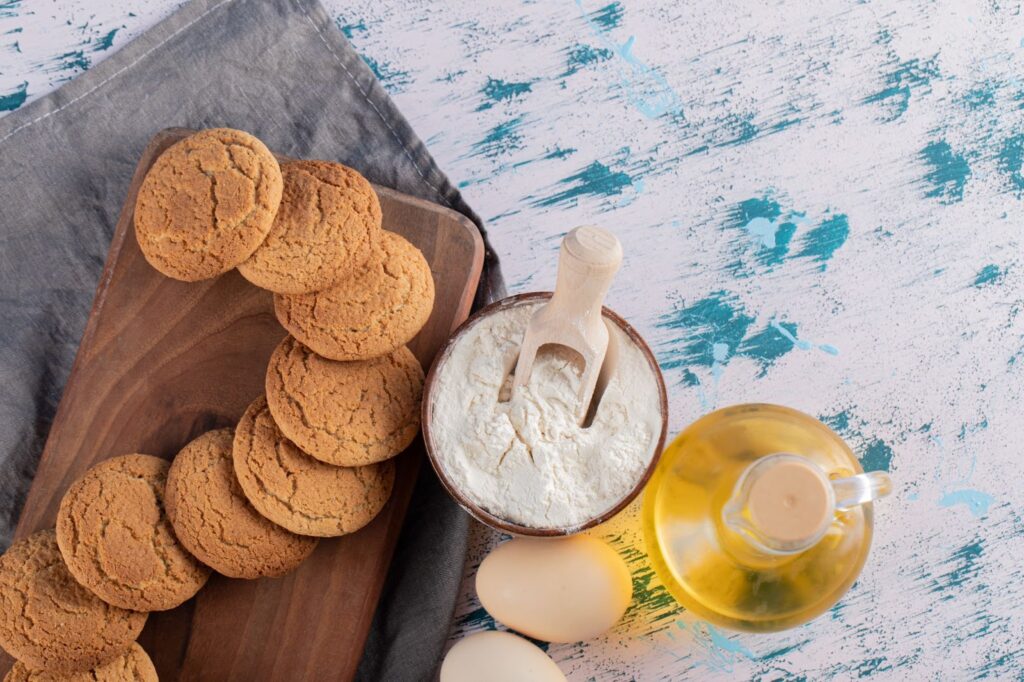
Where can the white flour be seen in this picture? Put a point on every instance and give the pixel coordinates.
(527, 460)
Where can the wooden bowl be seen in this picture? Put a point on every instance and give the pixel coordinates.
(478, 512)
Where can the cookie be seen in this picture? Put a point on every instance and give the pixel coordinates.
(117, 541)
(214, 520)
(207, 203)
(299, 492)
(328, 226)
(51, 622)
(370, 313)
(132, 666)
(345, 413)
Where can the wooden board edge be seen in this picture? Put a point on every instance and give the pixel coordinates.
(117, 242)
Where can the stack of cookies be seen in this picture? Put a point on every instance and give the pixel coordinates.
(309, 459)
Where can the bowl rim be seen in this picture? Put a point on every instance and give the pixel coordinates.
(478, 512)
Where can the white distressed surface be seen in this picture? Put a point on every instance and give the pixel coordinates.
(903, 121)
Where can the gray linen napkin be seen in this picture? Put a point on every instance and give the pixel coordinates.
(281, 70)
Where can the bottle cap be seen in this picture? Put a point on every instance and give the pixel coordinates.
(790, 502)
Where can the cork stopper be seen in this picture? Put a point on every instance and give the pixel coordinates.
(790, 502)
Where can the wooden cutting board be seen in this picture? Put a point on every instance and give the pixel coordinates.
(162, 361)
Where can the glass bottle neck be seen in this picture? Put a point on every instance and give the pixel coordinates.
(781, 505)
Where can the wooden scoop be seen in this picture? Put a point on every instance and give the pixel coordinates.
(587, 263)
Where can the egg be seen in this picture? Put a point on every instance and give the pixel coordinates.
(558, 590)
(498, 657)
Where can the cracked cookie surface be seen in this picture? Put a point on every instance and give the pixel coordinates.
(51, 622)
(327, 227)
(345, 413)
(299, 492)
(369, 313)
(213, 519)
(207, 203)
(117, 541)
(132, 666)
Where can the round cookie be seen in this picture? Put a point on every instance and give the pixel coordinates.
(51, 622)
(132, 666)
(299, 492)
(345, 413)
(207, 203)
(117, 541)
(214, 520)
(328, 226)
(369, 313)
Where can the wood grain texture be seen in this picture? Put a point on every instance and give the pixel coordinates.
(162, 361)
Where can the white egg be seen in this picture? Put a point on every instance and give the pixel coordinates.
(498, 657)
(558, 590)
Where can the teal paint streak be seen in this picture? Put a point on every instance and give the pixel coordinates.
(976, 501)
(961, 567)
(763, 220)
(877, 456)
(716, 319)
(1005, 666)
(715, 329)
(988, 275)
(71, 63)
(580, 56)
(740, 129)
(560, 153)
(870, 666)
(837, 422)
(757, 207)
(595, 180)
(773, 231)
(783, 651)
(9, 8)
(768, 345)
(496, 91)
(15, 99)
(777, 246)
(107, 41)
(822, 242)
(979, 98)
(1011, 162)
(875, 453)
(477, 619)
(948, 172)
(902, 80)
(608, 17)
(391, 78)
(652, 605)
(500, 139)
(349, 30)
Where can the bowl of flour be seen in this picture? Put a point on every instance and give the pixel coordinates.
(522, 464)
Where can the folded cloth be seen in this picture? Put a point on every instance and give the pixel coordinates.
(281, 70)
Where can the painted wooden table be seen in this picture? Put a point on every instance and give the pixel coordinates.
(821, 207)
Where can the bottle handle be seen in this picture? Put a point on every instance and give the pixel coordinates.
(857, 490)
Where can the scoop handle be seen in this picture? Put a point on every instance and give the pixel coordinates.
(587, 262)
(860, 489)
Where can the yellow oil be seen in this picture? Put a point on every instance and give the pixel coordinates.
(714, 572)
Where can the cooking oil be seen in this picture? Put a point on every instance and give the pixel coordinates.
(714, 562)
